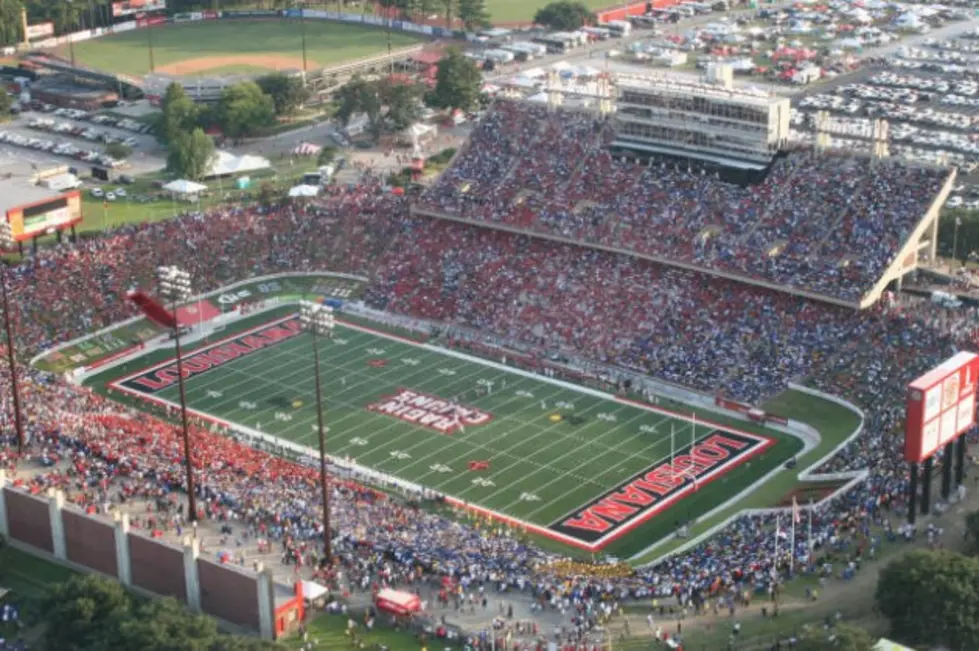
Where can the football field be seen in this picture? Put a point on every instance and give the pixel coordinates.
(584, 468)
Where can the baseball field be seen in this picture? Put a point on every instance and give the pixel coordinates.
(234, 46)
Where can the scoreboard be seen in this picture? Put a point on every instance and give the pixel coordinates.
(45, 216)
(941, 405)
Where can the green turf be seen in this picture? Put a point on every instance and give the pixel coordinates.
(327, 43)
(541, 469)
(98, 347)
(330, 632)
(29, 575)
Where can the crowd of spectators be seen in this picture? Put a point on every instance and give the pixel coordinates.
(689, 328)
(818, 222)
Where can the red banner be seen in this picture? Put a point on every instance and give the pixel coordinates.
(753, 413)
(150, 21)
(152, 309)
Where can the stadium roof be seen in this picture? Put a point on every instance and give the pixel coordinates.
(15, 192)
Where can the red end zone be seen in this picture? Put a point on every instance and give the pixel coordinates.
(595, 525)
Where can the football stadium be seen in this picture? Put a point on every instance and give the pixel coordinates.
(630, 358)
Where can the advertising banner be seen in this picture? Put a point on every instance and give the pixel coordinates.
(149, 21)
(41, 30)
(130, 7)
(124, 27)
(258, 13)
(187, 17)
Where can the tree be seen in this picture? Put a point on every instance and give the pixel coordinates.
(348, 98)
(118, 150)
(180, 114)
(564, 15)
(288, 93)
(474, 14)
(972, 531)
(932, 598)
(841, 637)
(166, 624)
(190, 155)
(326, 156)
(457, 82)
(240, 643)
(360, 96)
(403, 104)
(6, 103)
(244, 109)
(447, 8)
(964, 237)
(10, 32)
(85, 611)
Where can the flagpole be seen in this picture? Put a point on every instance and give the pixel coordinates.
(792, 545)
(778, 528)
(809, 544)
(671, 443)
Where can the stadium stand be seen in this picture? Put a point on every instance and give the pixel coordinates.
(695, 329)
(819, 223)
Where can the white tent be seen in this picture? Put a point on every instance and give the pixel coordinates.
(886, 645)
(313, 591)
(303, 191)
(226, 163)
(184, 187)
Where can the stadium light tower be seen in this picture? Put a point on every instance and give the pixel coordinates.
(71, 35)
(301, 6)
(319, 320)
(175, 287)
(7, 243)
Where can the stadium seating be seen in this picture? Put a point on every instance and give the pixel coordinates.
(822, 223)
(692, 329)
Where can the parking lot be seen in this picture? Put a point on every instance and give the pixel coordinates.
(73, 137)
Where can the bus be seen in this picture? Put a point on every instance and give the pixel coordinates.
(619, 28)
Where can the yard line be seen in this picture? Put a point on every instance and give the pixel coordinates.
(396, 421)
(358, 409)
(545, 430)
(610, 468)
(467, 438)
(571, 473)
(251, 376)
(340, 365)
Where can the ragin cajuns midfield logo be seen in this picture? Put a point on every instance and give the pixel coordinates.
(430, 411)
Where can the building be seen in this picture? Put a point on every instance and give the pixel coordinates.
(34, 210)
(710, 122)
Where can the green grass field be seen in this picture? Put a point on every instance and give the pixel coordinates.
(552, 448)
(326, 43)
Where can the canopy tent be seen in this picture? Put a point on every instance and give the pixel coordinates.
(886, 645)
(307, 149)
(226, 163)
(303, 191)
(184, 187)
(398, 602)
(313, 591)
